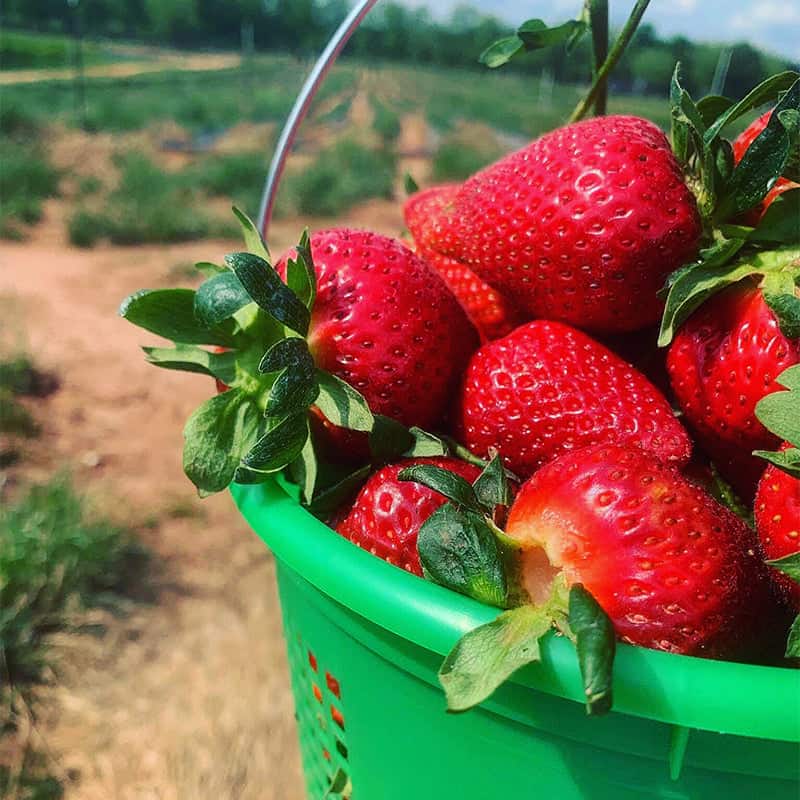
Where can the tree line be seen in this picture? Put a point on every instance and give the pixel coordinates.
(391, 32)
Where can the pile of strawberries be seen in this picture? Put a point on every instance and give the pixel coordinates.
(487, 405)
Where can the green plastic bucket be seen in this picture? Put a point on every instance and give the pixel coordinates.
(365, 641)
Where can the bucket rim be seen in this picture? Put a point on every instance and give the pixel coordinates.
(720, 696)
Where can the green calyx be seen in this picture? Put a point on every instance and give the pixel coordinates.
(779, 413)
(247, 328)
(726, 190)
(462, 548)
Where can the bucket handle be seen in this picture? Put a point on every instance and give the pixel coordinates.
(301, 106)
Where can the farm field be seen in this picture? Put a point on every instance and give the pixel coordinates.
(180, 689)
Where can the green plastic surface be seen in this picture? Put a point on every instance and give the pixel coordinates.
(681, 727)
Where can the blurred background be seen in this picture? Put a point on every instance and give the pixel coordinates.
(140, 639)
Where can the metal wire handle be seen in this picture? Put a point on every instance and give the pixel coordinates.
(301, 106)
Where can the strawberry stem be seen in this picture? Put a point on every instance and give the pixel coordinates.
(598, 21)
(621, 43)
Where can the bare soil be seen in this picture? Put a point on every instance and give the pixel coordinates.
(187, 696)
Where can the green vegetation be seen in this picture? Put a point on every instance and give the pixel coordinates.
(22, 50)
(386, 122)
(340, 176)
(26, 179)
(236, 176)
(148, 205)
(460, 155)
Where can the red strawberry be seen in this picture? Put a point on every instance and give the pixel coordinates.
(723, 360)
(740, 145)
(428, 217)
(388, 513)
(673, 569)
(777, 512)
(492, 314)
(385, 322)
(547, 388)
(582, 225)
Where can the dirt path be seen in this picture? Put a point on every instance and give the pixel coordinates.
(126, 69)
(188, 697)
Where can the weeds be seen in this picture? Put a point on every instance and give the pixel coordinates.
(460, 156)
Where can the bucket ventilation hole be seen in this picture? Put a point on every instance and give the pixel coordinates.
(320, 721)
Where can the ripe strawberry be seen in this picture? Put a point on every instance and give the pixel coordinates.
(386, 323)
(582, 225)
(491, 313)
(388, 513)
(723, 360)
(428, 214)
(777, 512)
(547, 388)
(673, 569)
(740, 145)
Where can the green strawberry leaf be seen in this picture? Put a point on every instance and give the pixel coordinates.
(389, 439)
(693, 285)
(209, 269)
(281, 444)
(304, 471)
(253, 240)
(536, 35)
(300, 275)
(409, 184)
(266, 288)
(342, 404)
(501, 51)
(763, 93)
(781, 221)
(712, 106)
(170, 313)
(333, 497)
(786, 460)
(786, 308)
(424, 445)
(687, 122)
(596, 644)
(216, 435)
(219, 298)
(765, 159)
(793, 642)
(491, 487)
(788, 565)
(189, 358)
(487, 656)
(779, 412)
(447, 483)
(295, 388)
(460, 549)
(247, 476)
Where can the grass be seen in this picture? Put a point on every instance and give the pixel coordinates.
(22, 50)
(339, 177)
(239, 177)
(458, 157)
(148, 205)
(386, 121)
(55, 557)
(27, 178)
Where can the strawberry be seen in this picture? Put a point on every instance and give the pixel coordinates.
(723, 360)
(582, 225)
(427, 215)
(777, 513)
(491, 313)
(388, 513)
(673, 569)
(385, 323)
(351, 334)
(547, 388)
(740, 145)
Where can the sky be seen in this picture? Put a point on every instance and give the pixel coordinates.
(773, 25)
